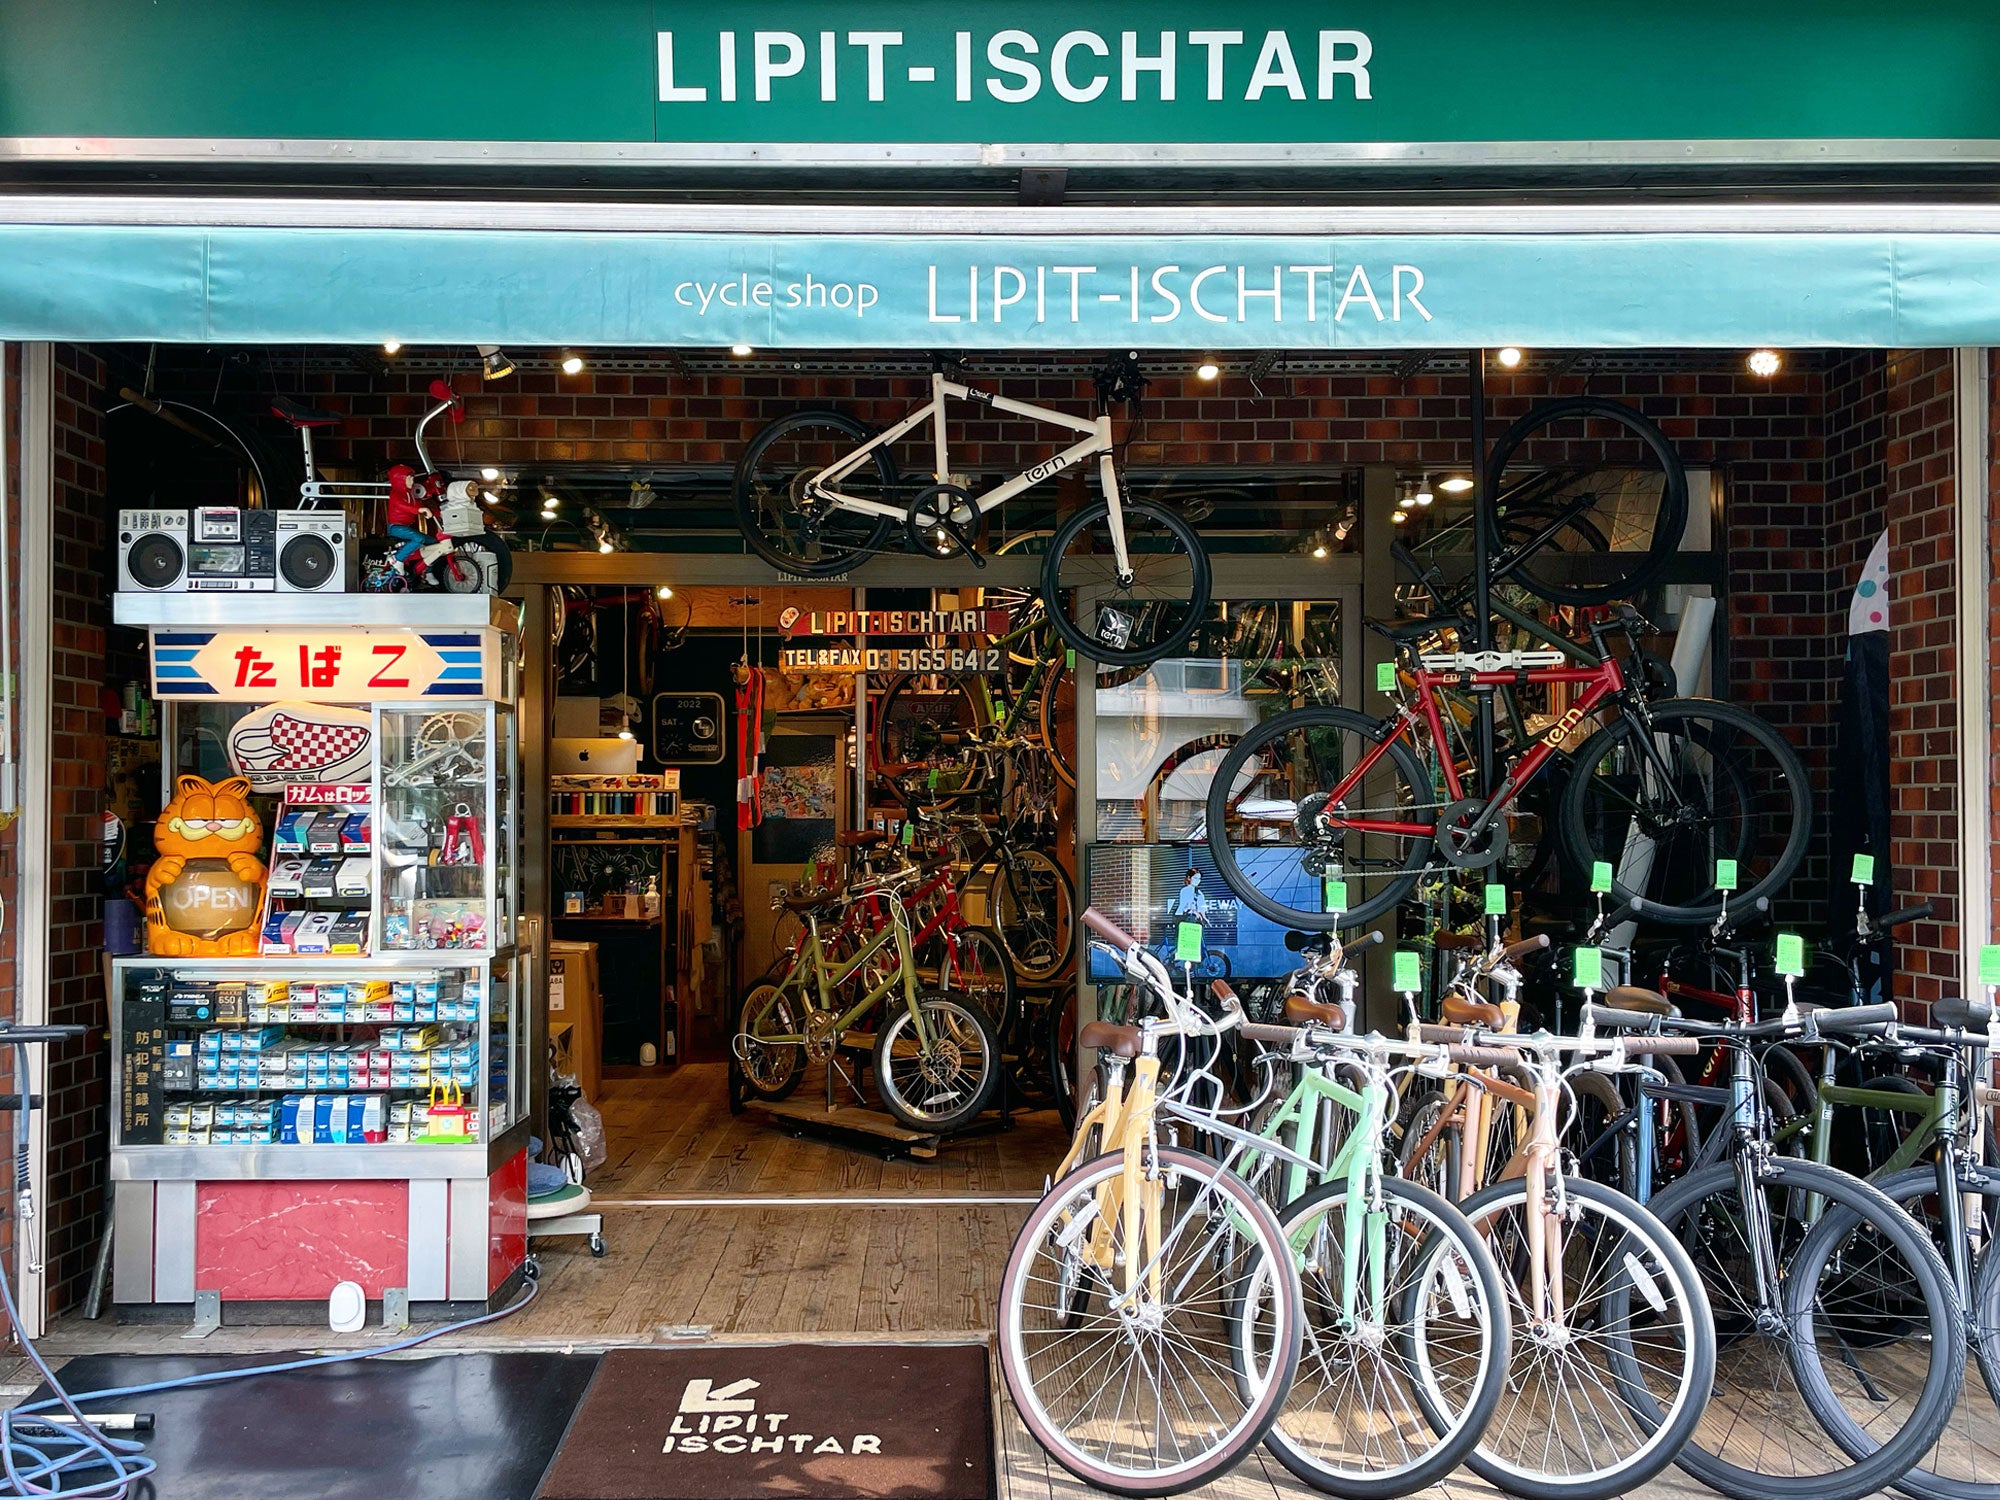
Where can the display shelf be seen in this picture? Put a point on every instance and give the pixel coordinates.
(634, 823)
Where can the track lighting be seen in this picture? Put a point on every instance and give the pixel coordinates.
(1424, 495)
(489, 473)
(572, 362)
(1455, 484)
(493, 364)
(1509, 356)
(1408, 497)
(664, 591)
(392, 346)
(1399, 516)
(741, 351)
(1764, 362)
(1208, 369)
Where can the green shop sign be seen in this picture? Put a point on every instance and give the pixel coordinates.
(652, 80)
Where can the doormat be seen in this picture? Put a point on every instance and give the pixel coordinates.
(449, 1425)
(806, 1421)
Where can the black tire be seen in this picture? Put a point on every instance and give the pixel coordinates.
(776, 1068)
(475, 565)
(1278, 865)
(922, 722)
(1060, 1051)
(981, 970)
(1669, 521)
(1805, 1447)
(954, 1077)
(1055, 714)
(1708, 751)
(1171, 597)
(847, 538)
(1031, 907)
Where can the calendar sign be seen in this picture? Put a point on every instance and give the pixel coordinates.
(343, 664)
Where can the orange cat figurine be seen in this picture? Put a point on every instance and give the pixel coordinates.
(204, 892)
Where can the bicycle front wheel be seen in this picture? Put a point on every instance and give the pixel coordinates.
(1119, 1352)
(1610, 1371)
(939, 1078)
(1861, 1341)
(1708, 781)
(1031, 905)
(1139, 617)
(1405, 1342)
(1276, 839)
(782, 523)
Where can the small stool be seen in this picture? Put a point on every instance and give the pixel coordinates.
(565, 1211)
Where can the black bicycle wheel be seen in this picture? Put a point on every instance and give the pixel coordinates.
(1275, 841)
(1133, 620)
(1060, 1050)
(1031, 905)
(1584, 460)
(1704, 781)
(1055, 715)
(923, 722)
(776, 519)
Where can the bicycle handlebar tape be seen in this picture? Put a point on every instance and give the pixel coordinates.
(1619, 1020)
(1355, 945)
(1257, 1031)
(1856, 1017)
(1481, 1057)
(1523, 948)
(1904, 917)
(1109, 930)
(1664, 1046)
(1455, 1036)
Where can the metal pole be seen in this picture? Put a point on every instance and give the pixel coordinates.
(1482, 609)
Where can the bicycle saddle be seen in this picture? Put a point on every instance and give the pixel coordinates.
(811, 901)
(1961, 1013)
(1407, 632)
(1639, 998)
(1109, 1036)
(1457, 1010)
(285, 409)
(1300, 1011)
(860, 838)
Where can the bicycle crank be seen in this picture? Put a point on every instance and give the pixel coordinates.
(1462, 848)
(822, 1034)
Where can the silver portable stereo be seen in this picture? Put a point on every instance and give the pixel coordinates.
(220, 549)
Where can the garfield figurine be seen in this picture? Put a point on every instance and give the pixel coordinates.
(205, 891)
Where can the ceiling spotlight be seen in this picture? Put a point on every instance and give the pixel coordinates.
(741, 351)
(664, 591)
(1424, 495)
(572, 362)
(1456, 484)
(392, 346)
(493, 364)
(1510, 356)
(1764, 362)
(626, 733)
(490, 498)
(1409, 495)
(1208, 369)
(489, 474)
(1399, 516)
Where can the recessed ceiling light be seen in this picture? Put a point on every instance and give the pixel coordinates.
(1764, 362)
(1509, 356)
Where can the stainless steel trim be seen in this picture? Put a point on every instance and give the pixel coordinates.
(469, 1232)
(828, 219)
(429, 1208)
(173, 1241)
(290, 611)
(998, 156)
(132, 1241)
(1973, 556)
(35, 695)
(170, 1164)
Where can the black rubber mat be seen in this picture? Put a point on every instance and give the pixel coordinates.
(449, 1425)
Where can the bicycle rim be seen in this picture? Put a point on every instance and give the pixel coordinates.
(1056, 715)
(1132, 621)
(1030, 906)
(943, 1083)
(1392, 1395)
(921, 724)
(1600, 1400)
(1146, 1401)
(770, 484)
(771, 1068)
(1277, 842)
(1711, 781)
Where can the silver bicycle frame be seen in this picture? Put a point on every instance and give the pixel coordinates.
(825, 485)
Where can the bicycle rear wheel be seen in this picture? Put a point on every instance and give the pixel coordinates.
(922, 722)
(1276, 841)
(1140, 1394)
(1709, 781)
(769, 1042)
(772, 510)
(1590, 469)
(1126, 622)
(1031, 905)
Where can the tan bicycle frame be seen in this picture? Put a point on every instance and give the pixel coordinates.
(1125, 1123)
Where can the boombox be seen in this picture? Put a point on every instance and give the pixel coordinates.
(218, 549)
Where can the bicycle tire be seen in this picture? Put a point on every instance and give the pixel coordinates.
(1369, 1369)
(980, 970)
(901, 728)
(1669, 523)
(1024, 1337)
(1038, 942)
(1189, 597)
(1061, 1054)
(1245, 883)
(1681, 1333)
(788, 1058)
(947, 1101)
(863, 539)
(1705, 1211)
(1055, 715)
(1791, 806)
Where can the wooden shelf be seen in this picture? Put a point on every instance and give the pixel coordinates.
(597, 820)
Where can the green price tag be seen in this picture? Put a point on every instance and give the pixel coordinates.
(909, 833)
(1385, 677)
(1409, 973)
(1590, 968)
(1187, 943)
(1791, 954)
(1496, 899)
(933, 779)
(1864, 869)
(1725, 874)
(1989, 963)
(1069, 659)
(1600, 876)
(1336, 894)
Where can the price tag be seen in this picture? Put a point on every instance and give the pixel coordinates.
(1600, 877)
(1385, 677)
(1791, 954)
(1187, 943)
(933, 778)
(1590, 968)
(1409, 972)
(1496, 899)
(1336, 894)
(1069, 659)
(1725, 874)
(909, 833)
(1864, 869)
(1989, 963)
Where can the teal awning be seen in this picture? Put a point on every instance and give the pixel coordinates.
(1377, 291)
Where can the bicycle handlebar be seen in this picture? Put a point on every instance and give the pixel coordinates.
(1369, 941)
(1523, 948)
(1854, 1018)
(1109, 930)
(1903, 918)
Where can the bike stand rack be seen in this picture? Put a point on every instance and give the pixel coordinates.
(838, 1118)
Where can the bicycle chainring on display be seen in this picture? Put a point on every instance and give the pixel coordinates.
(822, 1034)
(1457, 848)
(942, 521)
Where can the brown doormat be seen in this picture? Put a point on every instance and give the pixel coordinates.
(807, 1421)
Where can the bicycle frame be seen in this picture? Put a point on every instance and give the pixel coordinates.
(827, 980)
(825, 485)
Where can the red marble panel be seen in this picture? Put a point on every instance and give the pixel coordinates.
(507, 1220)
(272, 1241)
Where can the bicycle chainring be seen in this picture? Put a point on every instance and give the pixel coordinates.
(942, 521)
(822, 1033)
(1458, 847)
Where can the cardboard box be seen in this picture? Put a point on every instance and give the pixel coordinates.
(575, 1001)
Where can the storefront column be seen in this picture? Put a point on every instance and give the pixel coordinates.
(35, 695)
(1380, 1009)
(1971, 392)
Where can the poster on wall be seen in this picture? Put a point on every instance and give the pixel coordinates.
(801, 788)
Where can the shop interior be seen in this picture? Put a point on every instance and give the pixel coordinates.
(710, 748)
